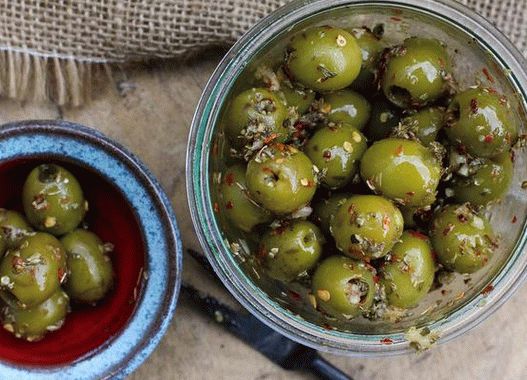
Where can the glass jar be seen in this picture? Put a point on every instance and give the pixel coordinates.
(480, 54)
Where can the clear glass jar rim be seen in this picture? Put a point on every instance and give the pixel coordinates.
(254, 299)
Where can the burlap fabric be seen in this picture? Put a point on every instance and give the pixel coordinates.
(51, 47)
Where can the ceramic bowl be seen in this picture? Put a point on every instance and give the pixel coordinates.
(127, 208)
(480, 54)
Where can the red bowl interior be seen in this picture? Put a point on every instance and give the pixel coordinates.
(86, 327)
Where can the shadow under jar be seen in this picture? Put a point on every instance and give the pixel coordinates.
(480, 54)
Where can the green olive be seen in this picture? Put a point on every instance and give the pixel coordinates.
(325, 209)
(295, 95)
(256, 114)
(489, 183)
(243, 212)
(348, 107)
(281, 179)
(53, 200)
(416, 72)
(409, 273)
(336, 151)
(384, 118)
(482, 121)
(13, 228)
(34, 271)
(462, 239)
(402, 170)
(425, 124)
(366, 226)
(371, 48)
(343, 288)
(33, 323)
(323, 58)
(290, 251)
(91, 274)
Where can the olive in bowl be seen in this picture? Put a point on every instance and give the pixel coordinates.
(69, 335)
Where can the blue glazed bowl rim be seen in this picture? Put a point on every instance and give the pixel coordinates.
(155, 308)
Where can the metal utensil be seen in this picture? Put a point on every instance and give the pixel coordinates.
(276, 347)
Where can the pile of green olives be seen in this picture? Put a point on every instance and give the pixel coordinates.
(361, 170)
(47, 257)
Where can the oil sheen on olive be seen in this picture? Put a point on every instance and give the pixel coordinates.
(281, 179)
(243, 212)
(13, 228)
(489, 183)
(416, 72)
(425, 124)
(371, 47)
(53, 200)
(366, 226)
(462, 239)
(324, 58)
(290, 251)
(482, 121)
(91, 274)
(336, 151)
(343, 287)
(402, 170)
(408, 275)
(33, 323)
(34, 271)
(348, 107)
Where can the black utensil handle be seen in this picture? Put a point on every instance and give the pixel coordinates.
(327, 371)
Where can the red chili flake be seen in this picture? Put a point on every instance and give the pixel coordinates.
(60, 274)
(487, 75)
(229, 179)
(492, 90)
(489, 288)
(281, 147)
(514, 219)
(410, 193)
(327, 326)
(229, 205)
(326, 154)
(399, 150)
(270, 138)
(396, 19)
(474, 107)
(489, 138)
(386, 221)
(448, 229)
(376, 279)
(294, 295)
(300, 126)
(310, 183)
(267, 170)
(386, 341)
(461, 149)
(462, 218)
(215, 149)
(434, 256)
(418, 235)
(513, 156)
(216, 207)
